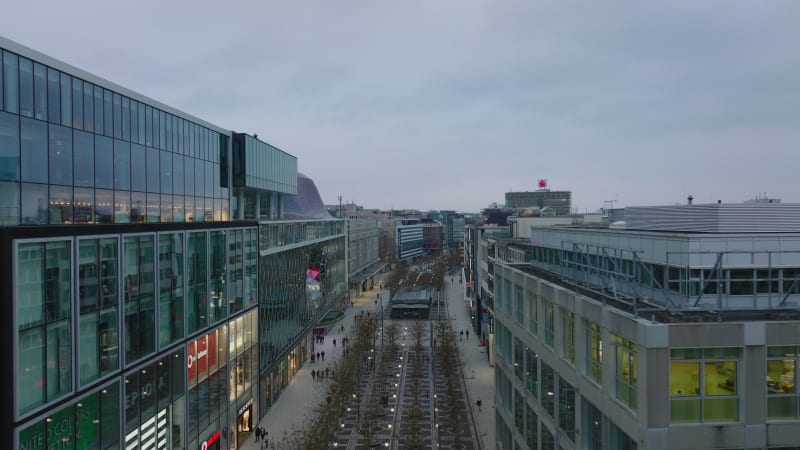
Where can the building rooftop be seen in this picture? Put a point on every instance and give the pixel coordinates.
(657, 313)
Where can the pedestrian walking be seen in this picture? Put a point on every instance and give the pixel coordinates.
(317, 355)
(312, 358)
(313, 374)
(462, 335)
(323, 355)
(327, 372)
(467, 334)
(334, 343)
(258, 434)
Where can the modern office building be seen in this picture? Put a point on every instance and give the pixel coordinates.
(560, 202)
(680, 329)
(155, 295)
(408, 234)
(363, 263)
(432, 236)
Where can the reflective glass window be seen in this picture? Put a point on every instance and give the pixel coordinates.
(170, 257)
(103, 162)
(153, 174)
(9, 203)
(66, 100)
(219, 297)
(88, 107)
(166, 172)
(188, 204)
(138, 168)
(39, 91)
(134, 116)
(626, 370)
(77, 103)
(104, 205)
(148, 125)
(26, 87)
(138, 207)
(11, 82)
(60, 155)
(162, 130)
(98, 110)
(153, 207)
(169, 145)
(44, 367)
(117, 105)
(178, 209)
(703, 385)
(108, 114)
(34, 150)
(83, 156)
(60, 204)
(126, 119)
(139, 288)
(84, 205)
(34, 207)
(196, 261)
(140, 109)
(122, 206)
(166, 208)
(9, 146)
(53, 96)
(98, 301)
(189, 177)
(122, 165)
(177, 174)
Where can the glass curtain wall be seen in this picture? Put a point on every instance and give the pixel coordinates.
(288, 309)
(98, 297)
(206, 407)
(139, 288)
(155, 404)
(197, 270)
(171, 288)
(66, 121)
(89, 423)
(44, 331)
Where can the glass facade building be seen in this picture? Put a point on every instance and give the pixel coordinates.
(142, 308)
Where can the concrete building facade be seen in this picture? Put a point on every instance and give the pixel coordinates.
(616, 338)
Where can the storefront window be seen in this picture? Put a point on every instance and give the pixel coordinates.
(89, 423)
(626, 371)
(703, 385)
(782, 396)
(154, 409)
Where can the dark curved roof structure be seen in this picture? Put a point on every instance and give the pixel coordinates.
(307, 204)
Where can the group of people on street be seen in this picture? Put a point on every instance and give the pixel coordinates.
(261, 435)
(462, 335)
(319, 373)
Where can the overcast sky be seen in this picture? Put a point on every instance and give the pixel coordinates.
(448, 104)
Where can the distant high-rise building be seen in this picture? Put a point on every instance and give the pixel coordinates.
(560, 202)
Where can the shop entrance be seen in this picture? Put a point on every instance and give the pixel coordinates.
(244, 424)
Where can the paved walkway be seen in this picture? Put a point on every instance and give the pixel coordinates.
(300, 396)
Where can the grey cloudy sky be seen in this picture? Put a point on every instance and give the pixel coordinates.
(449, 104)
